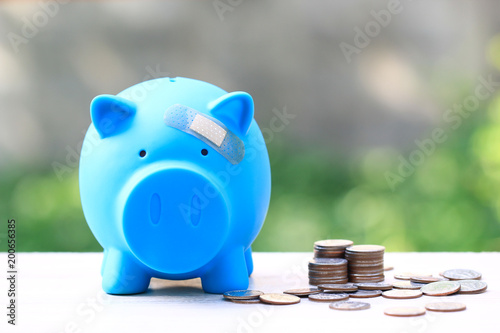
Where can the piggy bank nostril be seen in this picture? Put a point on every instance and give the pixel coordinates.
(142, 153)
(155, 209)
(195, 210)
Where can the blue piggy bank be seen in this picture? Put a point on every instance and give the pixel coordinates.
(175, 184)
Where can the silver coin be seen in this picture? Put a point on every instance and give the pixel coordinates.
(409, 275)
(245, 301)
(323, 297)
(302, 291)
(333, 243)
(365, 294)
(338, 287)
(349, 306)
(426, 279)
(373, 286)
(327, 262)
(242, 294)
(368, 249)
(461, 274)
(472, 286)
(441, 288)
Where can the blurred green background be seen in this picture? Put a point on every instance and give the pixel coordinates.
(354, 119)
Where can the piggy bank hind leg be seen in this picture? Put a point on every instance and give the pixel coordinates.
(229, 272)
(249, 260)
(122, 275)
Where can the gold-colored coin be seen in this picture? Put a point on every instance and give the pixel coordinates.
(445, 306)
(407, 285)
(402, 294)
(279, 299)
(441, 288)
(405, 311)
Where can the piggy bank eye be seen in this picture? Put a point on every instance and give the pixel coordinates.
(142, 153)
(204, 152)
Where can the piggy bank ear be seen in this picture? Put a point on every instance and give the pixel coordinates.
(235, 110)
(111, 114)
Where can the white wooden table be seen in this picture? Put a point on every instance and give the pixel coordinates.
(61, 292)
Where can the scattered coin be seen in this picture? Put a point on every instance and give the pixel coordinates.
(366, 293)
(405, 311)
(407, 285)
(349, 305)
(409, 275)
(472, 286)
(246, 301)
(441, 288)
(388, 268)
(242, 294)
(445, 306)
(373, 286)
(402, 294)
(323, 297)
(279, 299)
(348, 287)
(302, 291)
(462, 274)
(426, 279)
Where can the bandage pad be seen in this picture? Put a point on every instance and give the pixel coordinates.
(207, 129)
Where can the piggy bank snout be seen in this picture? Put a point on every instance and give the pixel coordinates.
(175, 220)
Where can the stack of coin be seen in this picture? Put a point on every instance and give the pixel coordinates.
(331, 248)
(366, 263)
(327, 270)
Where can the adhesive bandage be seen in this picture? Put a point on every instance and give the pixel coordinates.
(207, 129)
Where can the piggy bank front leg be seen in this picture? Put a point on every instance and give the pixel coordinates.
(121, 274)
(229, 272)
